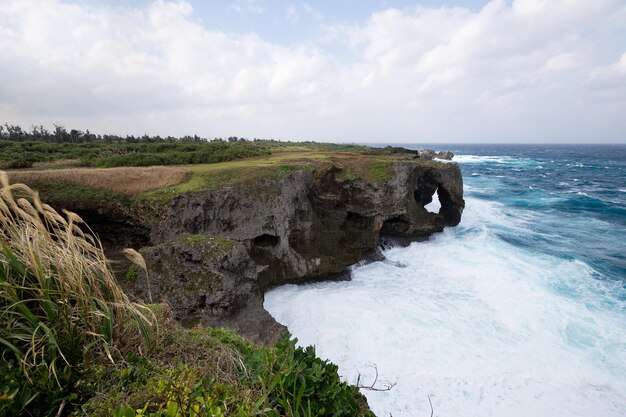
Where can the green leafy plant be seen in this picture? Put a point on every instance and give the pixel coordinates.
(295, 382)
(132, 274)
(225, 375)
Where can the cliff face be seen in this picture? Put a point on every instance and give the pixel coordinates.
(314, 224)
(212, 253)
(311, 224)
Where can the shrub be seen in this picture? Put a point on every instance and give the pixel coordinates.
(18, 163)
(204, 372)
(298, 383)
(132, 274)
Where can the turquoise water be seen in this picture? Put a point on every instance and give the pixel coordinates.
(518, 311)
(572, 197)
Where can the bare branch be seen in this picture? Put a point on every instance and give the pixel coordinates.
(372, 387)
(431, 407)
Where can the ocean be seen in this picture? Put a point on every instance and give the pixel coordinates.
(518, 311)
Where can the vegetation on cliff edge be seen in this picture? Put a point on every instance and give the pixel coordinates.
(48, 161)
(71, 342)
(160, 184)
(39, 147)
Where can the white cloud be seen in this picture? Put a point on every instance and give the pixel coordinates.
(608, 83)
(292, 13)
(526, 70)
(616, 70)
(247, 6)
(563, 62)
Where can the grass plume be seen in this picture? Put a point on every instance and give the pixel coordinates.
(59, 302)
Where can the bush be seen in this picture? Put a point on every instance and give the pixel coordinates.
(204, 372)
(298, 383)
(18, 162)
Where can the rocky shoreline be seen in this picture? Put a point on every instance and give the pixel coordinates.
(211, 255)
(215, 253)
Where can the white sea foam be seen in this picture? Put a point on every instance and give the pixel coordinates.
(477, 159)
(435, 205)
(483, 328)
(508, 160)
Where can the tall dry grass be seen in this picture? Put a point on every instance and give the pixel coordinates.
(127, 180)
(59, 302)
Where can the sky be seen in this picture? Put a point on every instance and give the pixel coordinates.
(330, 70)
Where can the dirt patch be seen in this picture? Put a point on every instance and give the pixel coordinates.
(127, 180)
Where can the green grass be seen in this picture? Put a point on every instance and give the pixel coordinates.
(99, 153)
(379, 170)
(70, 192)
(373, 168)
(208, 371)
(374, 165)
(217, 243)
(214, 176)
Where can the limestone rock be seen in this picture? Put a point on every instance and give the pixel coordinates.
(212, 254)
(209, 279)
(312, 225)
(429, 154)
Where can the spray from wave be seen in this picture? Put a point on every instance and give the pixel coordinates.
(478, 324)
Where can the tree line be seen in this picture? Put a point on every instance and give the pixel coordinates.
(62, 135)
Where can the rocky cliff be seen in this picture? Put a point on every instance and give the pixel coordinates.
(212, 252)
(310, 224)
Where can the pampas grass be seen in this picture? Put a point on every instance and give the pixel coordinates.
(136, 258)
(59, 302)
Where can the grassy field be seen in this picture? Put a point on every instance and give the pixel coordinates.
(127, 180)
(143, 171)
(101, 154)
(161, 183)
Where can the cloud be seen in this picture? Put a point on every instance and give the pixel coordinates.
(563, 62)
(292, 13)
(526, 70)
(613, 71)
(247, 6)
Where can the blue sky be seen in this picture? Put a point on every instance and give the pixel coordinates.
(286, 22)
(355, 71)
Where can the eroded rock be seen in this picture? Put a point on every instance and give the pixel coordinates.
(212, 254)
(430, 154)
(308, 225)
(209, 279)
